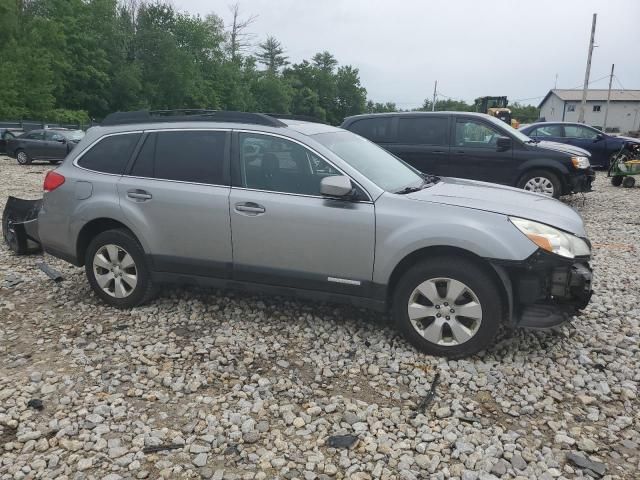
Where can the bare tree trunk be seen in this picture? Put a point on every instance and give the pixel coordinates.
(239, 38)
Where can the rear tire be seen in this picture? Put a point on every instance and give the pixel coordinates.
(541, 181)
(463, 314)
(23, 157)
(117, 269)
(616, 180)
(54, 162)
(628, 182)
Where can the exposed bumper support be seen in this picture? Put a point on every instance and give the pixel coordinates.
(20, 225)
(547, 290)
(582, 183)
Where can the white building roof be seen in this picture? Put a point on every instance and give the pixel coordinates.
(594, 95)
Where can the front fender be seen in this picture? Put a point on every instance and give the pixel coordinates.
(544, 164)
(403, 228)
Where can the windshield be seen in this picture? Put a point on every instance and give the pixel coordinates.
(512, 131)
(370, 160)
(74, 135)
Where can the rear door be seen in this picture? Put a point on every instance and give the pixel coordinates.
(423, 142)
(474, 153)
(177, 193)
(33, 143)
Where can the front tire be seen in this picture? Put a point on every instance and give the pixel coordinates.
(541, 181)
(628, 182)
(117, 270)
(23, 157)
(616, 180)
(448, 307)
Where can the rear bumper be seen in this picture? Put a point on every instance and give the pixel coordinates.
(547, 290)
(582, 182)
(20, 225)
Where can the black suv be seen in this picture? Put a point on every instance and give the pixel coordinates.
(479, 147)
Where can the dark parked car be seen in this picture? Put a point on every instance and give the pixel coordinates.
(51, 145)
(478, 147)
(601, 146)
(7, 134)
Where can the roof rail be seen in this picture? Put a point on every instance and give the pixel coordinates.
(190, 115)
(303, 118)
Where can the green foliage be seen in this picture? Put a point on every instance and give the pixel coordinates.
(70, 61)
(524, 113)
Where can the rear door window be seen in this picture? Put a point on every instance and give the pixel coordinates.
(187, 156)
(111, 154)
(423, 130)
(375, 129)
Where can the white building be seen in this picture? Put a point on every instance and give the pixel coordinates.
(564, 106)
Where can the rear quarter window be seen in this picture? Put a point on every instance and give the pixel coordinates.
(375, 129)
(111, 154)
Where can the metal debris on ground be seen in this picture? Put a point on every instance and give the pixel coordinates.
(342, 441)
(52, 273)
(428, 398)
(35, 403)
(11, 281)
(583, 462)
(159, 448)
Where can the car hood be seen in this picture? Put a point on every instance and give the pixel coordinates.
(562, 147)
(510, 201)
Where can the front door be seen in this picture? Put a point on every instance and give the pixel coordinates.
(474, 153)
(589, 139)
(177, 194)
(423, 142)
(286, 233)
(55, 145)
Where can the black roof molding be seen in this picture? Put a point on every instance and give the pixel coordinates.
(190, 115)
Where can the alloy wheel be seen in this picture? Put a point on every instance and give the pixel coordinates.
(22, 158)
(540, 185)
(115, 271)
(445, 311)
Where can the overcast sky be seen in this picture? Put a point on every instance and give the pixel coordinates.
(472, 47)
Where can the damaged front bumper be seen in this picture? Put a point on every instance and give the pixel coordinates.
(583, 182)
(547, 290)
(20, 225)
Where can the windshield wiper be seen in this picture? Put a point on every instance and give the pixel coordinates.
(427, 179)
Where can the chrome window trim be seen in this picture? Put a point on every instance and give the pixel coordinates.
(369, 202)
(303, 145)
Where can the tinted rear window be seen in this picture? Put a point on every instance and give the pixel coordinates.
(423, 130)
(111, 154)
(375, 129)
(196, 156)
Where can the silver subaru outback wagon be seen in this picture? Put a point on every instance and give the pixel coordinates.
(292, 207)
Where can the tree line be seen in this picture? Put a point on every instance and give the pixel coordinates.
(76, 60)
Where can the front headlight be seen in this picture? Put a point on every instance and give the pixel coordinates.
(580, 162)
(551, 239)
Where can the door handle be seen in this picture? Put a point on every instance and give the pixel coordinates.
(140, 195)
(460, 152)
(250, 208)
(436, 152)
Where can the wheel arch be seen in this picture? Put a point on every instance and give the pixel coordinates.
(559, 170)
(500, 277)
(93, 228)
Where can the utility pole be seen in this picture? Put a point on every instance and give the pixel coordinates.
(555, 85)
(606, 112)
(433, 105)
(585, 87)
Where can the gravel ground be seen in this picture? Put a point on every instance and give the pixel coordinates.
(249, 387)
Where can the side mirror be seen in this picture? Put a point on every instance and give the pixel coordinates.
(62, 140)
(336, 186)
(599, 137)
(503, 144)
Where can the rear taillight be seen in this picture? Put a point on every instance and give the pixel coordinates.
(52, 181)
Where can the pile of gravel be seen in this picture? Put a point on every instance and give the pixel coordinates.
(223, 385)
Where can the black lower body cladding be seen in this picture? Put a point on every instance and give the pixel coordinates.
(547, 289)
